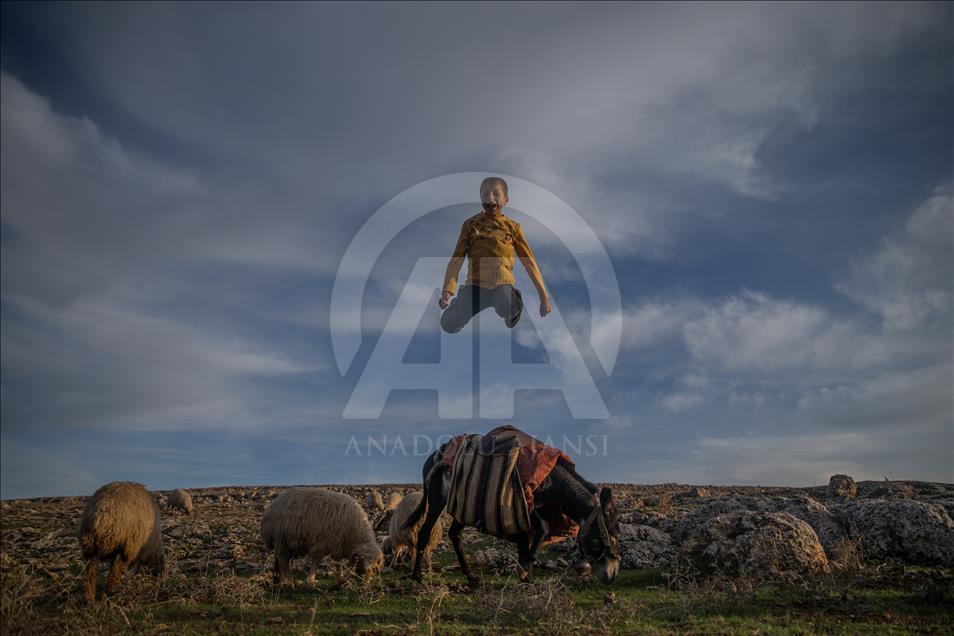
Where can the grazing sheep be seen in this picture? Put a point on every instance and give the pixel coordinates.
(400, 540)
(120, 522)
(375, 502)
(181, 500)
(394, 500)
(319, 523)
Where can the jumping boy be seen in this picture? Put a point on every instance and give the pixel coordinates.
(490, 240)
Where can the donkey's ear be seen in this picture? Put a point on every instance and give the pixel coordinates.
(606, 498)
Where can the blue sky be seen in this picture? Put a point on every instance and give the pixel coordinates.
(772, 183)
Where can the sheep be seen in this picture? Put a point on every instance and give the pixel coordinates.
(319, 523)
(400, 540)
(375, 502)
(120, 522)
(181, 500)
(394, 500)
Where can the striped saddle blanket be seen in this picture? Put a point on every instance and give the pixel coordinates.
(485, 490)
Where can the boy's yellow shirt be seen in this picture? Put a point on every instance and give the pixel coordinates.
(491, 244)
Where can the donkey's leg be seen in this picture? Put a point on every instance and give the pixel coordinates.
(454, 535)
(435, 505)
(540, 530)
(524, 561)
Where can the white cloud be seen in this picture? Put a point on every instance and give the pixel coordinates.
(678, 402)
(99, 364)
(797, 458)
(118, 215)
(917, 386)
(754, 331)
(743, 398)
(908, 279)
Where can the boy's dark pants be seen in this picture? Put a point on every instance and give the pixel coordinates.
(471, 299)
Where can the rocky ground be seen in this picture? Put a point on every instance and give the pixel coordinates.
(685, 532)
(731, 528)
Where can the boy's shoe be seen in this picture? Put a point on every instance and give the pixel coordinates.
(510, 322)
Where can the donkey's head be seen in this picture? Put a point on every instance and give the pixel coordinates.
(598, 538)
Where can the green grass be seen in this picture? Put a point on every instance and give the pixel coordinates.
(638, 602)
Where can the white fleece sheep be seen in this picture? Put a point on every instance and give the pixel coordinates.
(319, 523)
(394, 500)
(375, 502)
(120, 522)
(400, 540)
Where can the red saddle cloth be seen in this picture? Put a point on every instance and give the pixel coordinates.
(534, 463)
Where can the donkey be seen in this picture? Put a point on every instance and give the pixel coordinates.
(563, 490)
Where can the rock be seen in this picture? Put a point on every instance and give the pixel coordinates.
(826, 525)
(842, 487)
(696, 492)
(945, 502)
(660, 521)
(893, 490)
(915, 532)
(756, 546)
(688, 524)
(483, 558)
(644, 547)
(180, 500)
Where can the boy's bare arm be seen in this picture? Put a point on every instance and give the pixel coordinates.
(523, 251)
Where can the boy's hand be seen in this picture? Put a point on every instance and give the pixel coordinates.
(445, 300)
(545, 306)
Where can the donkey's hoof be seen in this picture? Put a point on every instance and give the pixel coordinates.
(473, 581)
(523, 575)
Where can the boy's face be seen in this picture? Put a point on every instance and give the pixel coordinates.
(493, 199)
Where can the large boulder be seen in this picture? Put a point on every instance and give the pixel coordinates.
(915, 532)
(755, 546)
(842, 487)
(647, 518)
(826, 525)
(702, 515)
(645, 547)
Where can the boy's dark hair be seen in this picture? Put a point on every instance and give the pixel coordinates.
(492, 181)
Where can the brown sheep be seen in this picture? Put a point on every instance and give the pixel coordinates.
(400, 540)
(180, 500)
(375, 502)
(319, 523)
(121, 523)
